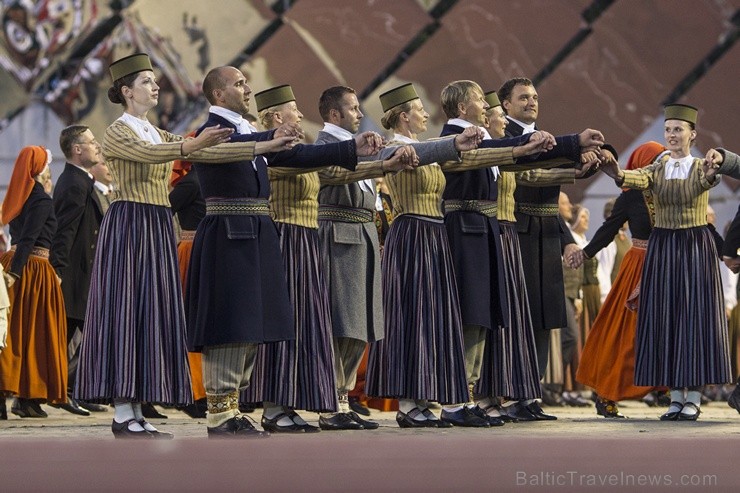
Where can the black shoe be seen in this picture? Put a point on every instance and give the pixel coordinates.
(93, 407)
(150, 412)
(464, 417)
(734, 399)
(406, 421)
(120, 430)
(650, 399)
(3, 409)
(519, 412)
(272, 425)
(236, 427)
(249, 407)
(368, 425)
(434, 421)
(196, 410)
(608, 409)
(682, 416)
(340, 421)
(663, 398)
(553, 399)
(574, 399)
(492, 420)
(536, 410)
(307, 428)
(672, 415)
(27, 408)
(72, 406)
(356, 406)
(156, 434)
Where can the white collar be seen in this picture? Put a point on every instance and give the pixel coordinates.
(142, 128)
(242, 125)
(83, 169)
(465, 124)
(104, 189)
(528, 127)
(678, 169)
(404, 139)
(337, 131)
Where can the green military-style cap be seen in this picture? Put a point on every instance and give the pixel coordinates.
(138, 62)
(492, 99)
(274, 96)
(399, 95)
(681, 112)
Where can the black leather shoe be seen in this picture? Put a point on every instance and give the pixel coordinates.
(27, 408)
(120, 430)
(519, 412)
(307, 428)
(368, 425)
(93, 407)
(236, 427)
(492, 420)
(551, 398)
(72, 406)
(340, 421)
(464, 417)
(608, 409)
(682, 416)
(575, 400)
(272, 425)
(672, 415)
(406, 421)
(433, 421)
(156, 434)
(196, 410)
(734, 399)
(356, 406)
(150, 412)
(537, 412)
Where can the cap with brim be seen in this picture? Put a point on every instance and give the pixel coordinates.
(492, 99)
(131, 64)
(274, 96)
(681, 112)
(399, 95)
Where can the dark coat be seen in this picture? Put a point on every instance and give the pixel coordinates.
(33, 227)
(187, 202)
(79, 213)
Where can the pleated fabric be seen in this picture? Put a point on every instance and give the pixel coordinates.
(510, 358)
(184, 250)
(33, 365)
(133, 345)
(682, 338)
(300, 373)
(422, 355)
(608, 359)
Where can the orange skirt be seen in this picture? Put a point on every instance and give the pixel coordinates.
(184, 249)
(34, 363)
(608, 360)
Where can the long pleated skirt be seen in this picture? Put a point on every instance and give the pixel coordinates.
(300, 373)
(34, 363)
(510, 358)
(184, 250)
(608, 359)
(422, 355)
(681, 325)
(133, 345)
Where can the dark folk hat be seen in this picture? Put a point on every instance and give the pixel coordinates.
(273, 97)
(681, 112)
(492, 99)
(138, 62)
(397, 96)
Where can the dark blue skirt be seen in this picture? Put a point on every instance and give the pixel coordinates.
(133, 345)
(682, 338)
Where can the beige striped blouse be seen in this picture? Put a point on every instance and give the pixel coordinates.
(679, 204)
(417, 191)
(142, 170)
(537, 177)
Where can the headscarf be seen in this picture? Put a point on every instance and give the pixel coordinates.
(31, 161)
(644, 154)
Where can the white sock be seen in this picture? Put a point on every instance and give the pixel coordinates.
(298, 420)
(406, 405)
(270, 410)
(140, 417)
(453, 409)
(123, 411)
(487, 402)
(694, 397)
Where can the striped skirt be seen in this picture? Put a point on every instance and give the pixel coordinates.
(422, 355)
(608, 359)
(510, 358)
(681, 327)
(133, 345)
(34, 363)
(184, 250)
(300, 373)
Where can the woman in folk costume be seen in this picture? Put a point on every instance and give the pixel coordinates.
(420, 296)
(681, 339)
(299, 374)
(133, 347)
(608, 359)
(33, 366)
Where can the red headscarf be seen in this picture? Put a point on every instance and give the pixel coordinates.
(644, 155)
(30, 162)
(180, 168)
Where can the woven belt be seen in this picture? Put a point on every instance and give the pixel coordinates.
(345, 214)
(237, 207)
(639, 243)
(36, 251)
(186, 235)
(488, 208)
(537, 209)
